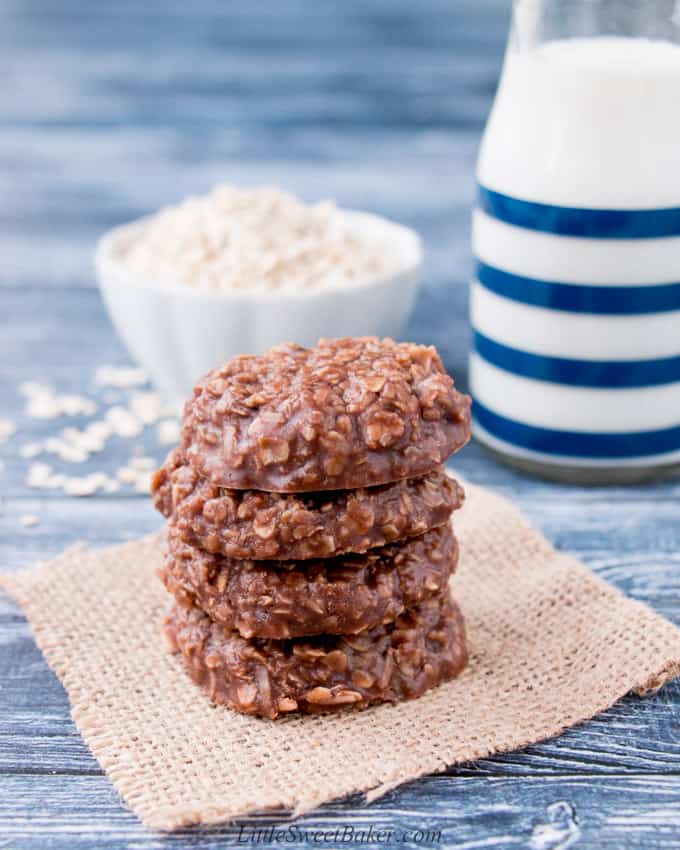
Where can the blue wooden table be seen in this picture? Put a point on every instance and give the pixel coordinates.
(108, 111)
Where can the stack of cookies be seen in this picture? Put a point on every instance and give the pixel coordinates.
(309, 541)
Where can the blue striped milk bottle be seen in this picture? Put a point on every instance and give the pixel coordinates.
(575, 301)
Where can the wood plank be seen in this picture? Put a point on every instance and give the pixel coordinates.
(542, 813)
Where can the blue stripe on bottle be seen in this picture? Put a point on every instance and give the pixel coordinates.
(577, 444)
(581, 221)
(577, 298)
(613, 374)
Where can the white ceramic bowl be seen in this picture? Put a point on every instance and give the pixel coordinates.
(178, 333)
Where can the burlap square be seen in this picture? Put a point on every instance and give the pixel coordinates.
(551, 645)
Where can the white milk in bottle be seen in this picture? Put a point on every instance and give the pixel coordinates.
(575, 305)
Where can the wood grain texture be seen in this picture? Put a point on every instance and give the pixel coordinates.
(111, 110)
(619, 813)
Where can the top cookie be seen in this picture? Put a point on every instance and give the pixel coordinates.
(349, 413)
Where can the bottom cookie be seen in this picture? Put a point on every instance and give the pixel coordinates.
(401, 660)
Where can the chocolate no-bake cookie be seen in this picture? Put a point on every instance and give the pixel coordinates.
(422, 648)
(257, 525)
(349, 413)
(282, 599)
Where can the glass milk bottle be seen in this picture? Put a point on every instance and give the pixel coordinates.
(575, 304)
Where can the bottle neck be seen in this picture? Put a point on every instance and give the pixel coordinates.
(536, 22)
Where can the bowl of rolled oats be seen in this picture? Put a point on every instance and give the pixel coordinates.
(239, 270)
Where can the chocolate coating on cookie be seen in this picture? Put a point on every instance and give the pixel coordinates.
(254, 524)
(422, 648)
(350, 413)
(282, 599)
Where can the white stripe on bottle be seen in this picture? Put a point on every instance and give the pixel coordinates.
(547, 405)
(614, 262)
(580, 336)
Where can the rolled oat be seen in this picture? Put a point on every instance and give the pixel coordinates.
(243, 238)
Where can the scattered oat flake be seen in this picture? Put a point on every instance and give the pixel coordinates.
(80, 486)
(67, 452)
(91, 439)
(147, 407)
(29, 450)
(86, 486)
(138, 473)
(32, 388)
(120, 376)
(143, 483)
(73, 405)
(123, 422)
(100, 430)
(39, 476)
(168, 432)
(95, 436)
(43, 403)
(127, 475)
(143, 463)
(7, 428)
(42, 407)
(73, 445)
(29, 520)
